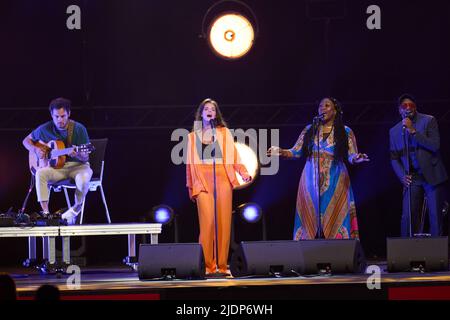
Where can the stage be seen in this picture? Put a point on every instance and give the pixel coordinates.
(122, 283)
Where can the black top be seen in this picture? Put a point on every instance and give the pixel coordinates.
(208, 151)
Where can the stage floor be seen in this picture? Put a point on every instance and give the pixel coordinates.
(122, 283)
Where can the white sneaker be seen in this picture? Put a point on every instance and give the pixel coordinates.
(70, 216)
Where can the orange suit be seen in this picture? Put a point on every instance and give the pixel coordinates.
(200, 183)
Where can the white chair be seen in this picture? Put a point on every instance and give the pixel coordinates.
(97, 163)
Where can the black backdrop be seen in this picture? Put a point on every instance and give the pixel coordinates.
(149, 53)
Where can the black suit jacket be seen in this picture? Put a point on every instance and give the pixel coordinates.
(427, 143)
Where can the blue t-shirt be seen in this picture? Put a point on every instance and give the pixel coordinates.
(48, 131)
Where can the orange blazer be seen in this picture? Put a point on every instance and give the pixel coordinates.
(231, 161)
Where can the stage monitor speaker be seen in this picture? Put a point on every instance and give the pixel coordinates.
(171, 260)
(417, 254)
(333, 256)
(264, 258)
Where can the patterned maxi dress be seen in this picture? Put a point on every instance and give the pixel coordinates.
(337, 204)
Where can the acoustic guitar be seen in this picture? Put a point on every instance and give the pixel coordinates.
(56, 155)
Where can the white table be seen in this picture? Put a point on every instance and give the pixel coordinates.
(50, 233)
(129, 229)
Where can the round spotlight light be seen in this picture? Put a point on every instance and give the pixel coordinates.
(250, 212)
(250, 161)
(162, 214)
(231, 35)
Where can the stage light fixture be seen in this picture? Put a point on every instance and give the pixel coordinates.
(231, 34)
(250, 212)
(162, 214)
(250, 160)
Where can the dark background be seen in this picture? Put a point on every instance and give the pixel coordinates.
(138, 69)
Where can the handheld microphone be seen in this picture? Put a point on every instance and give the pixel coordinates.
(213, 122)
(407, 114)
(320, 117)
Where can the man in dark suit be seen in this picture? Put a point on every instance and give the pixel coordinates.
(426, 174)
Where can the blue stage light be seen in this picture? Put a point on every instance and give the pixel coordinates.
(162, 214)
(250, 212)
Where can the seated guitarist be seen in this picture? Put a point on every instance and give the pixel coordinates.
(76, 166)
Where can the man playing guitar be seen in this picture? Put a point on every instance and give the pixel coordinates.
(75, 166)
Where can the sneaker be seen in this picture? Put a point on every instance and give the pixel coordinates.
(70, 216)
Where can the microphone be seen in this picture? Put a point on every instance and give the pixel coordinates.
(213, 122)
(320, 117)
(407, 114)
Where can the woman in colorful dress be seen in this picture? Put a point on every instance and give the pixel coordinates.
(336, 143)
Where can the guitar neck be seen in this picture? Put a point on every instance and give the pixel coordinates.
(61, 152)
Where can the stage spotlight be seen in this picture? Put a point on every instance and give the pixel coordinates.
(250, 161)
(166, 216)
(230, 34)
(162, 214)
(250, 212)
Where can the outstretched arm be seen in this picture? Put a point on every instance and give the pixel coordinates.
(294, 152)
(353, 155)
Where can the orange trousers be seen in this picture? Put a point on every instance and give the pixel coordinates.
(205, 205)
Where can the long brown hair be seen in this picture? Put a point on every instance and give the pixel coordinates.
(219, 118)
